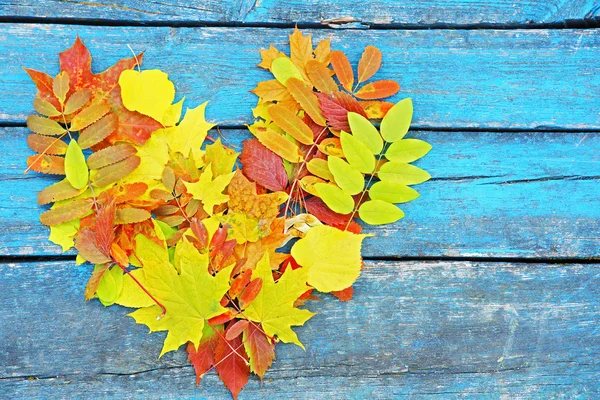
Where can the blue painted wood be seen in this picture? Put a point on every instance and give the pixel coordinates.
(413, 329)
(492, 194)
(379, 12)
(457, 78)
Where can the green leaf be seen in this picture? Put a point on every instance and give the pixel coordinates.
(407, 150)
(335, 198)
(379, 212)
(110, 286)
(396, 122)
(357, 153)
(403, 173)
(346, 176)
(392, 192)
(365, 131)
(75, 167)
(283, 69)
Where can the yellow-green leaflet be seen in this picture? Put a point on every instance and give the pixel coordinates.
(332, 257)
(379, 212)
(396, 122)
(346, 176)
(403, 173)
(318, 167)
(75, 167)
(110, 286)
(335, 198)
(365, 131)
(357, 153)
(407, 150)
(392, 192)
(283, 69)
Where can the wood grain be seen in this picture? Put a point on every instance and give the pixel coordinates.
(431, 329)
(517, 79)
(492, 195)
(377, 12)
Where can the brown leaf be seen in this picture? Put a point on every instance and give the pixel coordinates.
(307, 100)
(131, 215)
(59, 191)
(76, 101)
(98, 131)
(67, 212)
(116, 171)
(369, 63)
(110, 155)
(378, 90)
(89, 115)
(343, 69)
(85, 243)
(44, 126)
(46, 144)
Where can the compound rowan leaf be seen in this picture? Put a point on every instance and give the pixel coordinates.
(66, 212)
(44, 107)
(60, 86)
(76, 101)
(131, 215)
(307, 100)
(343, 69)
(274, 307)
(75, 167)
(331, 257)
(397, 121)
(378, 90)
(263, 166)
(291, 124)
(190, 297)
(114, 172)
(369, 63)
(46, 164)
(44, 126)
(89, 115)
(379, 212)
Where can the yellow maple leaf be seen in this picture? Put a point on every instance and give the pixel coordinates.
(243, 228)
(268, 56)
(274, 307)
(331, 256)
(190, 297)
(209, 190)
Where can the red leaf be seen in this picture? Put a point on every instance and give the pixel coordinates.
(250, 293)
(239, 283)
(344, 295)
(77, 62)
(203, 358)
(263, 166)
(260, 349)
(335, 108)
(200, 231)
(43, 82)
(217, 240)
(232, 366)
(236, 329)
(105, 230)
(316, 207)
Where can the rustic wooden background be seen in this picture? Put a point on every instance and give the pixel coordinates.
(487, 289)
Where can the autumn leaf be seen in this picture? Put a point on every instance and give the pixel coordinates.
(369, 63)
(335, 108)
(243, 198)
(260, 349)
(378, 90)
(209, 190)
(232, 364)
(343, 69)
(202, 357)
(263, 166)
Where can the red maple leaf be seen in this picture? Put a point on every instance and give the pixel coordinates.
(231, 363)
(203, 358)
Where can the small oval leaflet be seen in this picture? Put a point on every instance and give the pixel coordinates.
(379, 212)
(75, 167)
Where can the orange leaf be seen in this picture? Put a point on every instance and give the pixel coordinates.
(300, 49)
(278, 144)
(98, 131)
(307, 100)
(291, 124)
(260, 349)
(268, 56)
(67, 212)
(46, 164)
(376, 109)
(250, 292)
(323, 51)
(203, 358)
(378, 90)
(270, 90)
(369, 63)
(46, 144)
(331, 147)
(89, 115)
(343, 69)
(59, 191)
(344, 295)
(116, 171)
(110, 155)
(320, 76)
(94, 281)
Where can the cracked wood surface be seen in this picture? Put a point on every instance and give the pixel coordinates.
(500, 79)
(431, 329)
(493, 194)
(378, 12)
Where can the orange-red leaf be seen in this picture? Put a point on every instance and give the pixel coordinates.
(263, 166)
(291, 124)
(232, 366)
(203, 358)
(320, 76)
(250, 292)
(307, 100)
(236, 329)
(369, 63)
(46, 144)
(344, 295)
(67, 212)
(378, 90)
(43, 82)
(94, 281)
(343, 69)
(260, 349)
(46, 164)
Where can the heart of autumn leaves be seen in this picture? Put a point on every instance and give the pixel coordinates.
(176, 230)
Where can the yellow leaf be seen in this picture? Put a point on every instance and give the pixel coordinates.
(332, 257)
(209, 191)
(190, 133)
(149, 92)
(63, 234)
(274, 307)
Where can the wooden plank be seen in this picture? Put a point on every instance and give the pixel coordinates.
(458, 78)
(378, 12)
(492, 195)
(413, 329)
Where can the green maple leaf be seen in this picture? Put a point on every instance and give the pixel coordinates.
(190, 297)
(209, 190)
(274, 305)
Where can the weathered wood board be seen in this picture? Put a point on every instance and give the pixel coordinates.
(379, 12)
(502, 194)
(416, 329)
(515, 79)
